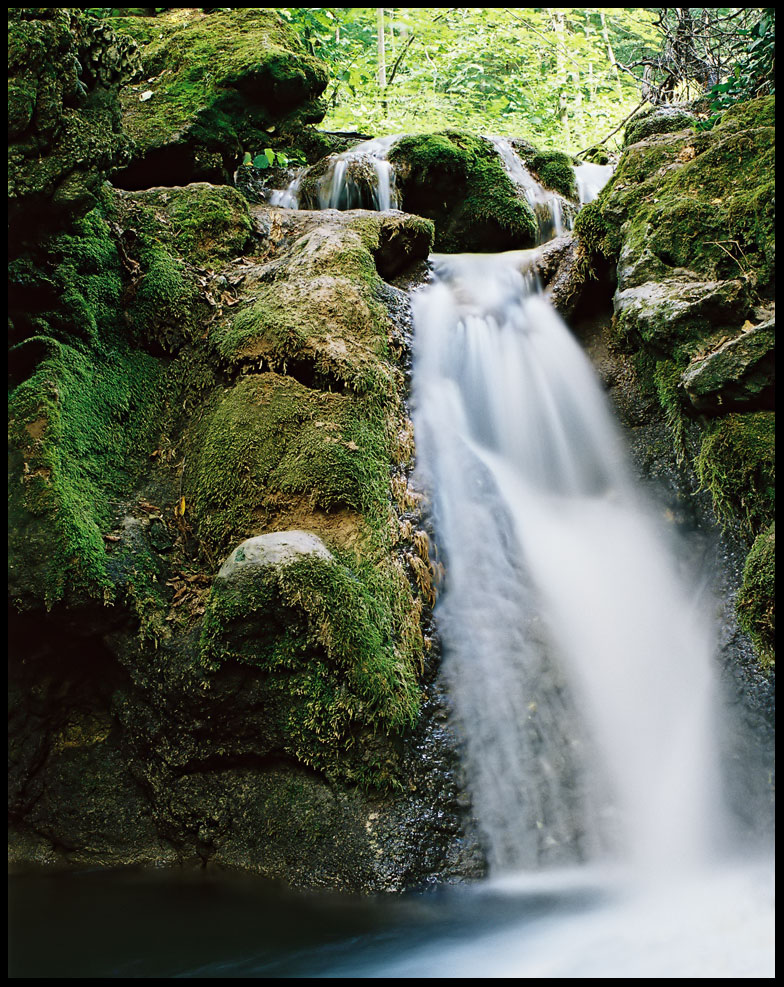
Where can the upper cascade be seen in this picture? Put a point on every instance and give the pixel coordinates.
(552, 211)
(591, 179)
(360, 178)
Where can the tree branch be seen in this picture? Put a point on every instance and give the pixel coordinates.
(612, 132)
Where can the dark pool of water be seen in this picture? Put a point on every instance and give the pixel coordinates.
(130, 923)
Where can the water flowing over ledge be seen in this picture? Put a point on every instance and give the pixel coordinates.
(577, 659)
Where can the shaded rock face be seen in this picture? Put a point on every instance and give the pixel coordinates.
(64, 135)
(212, 87)
(687, 222)
(219, 604)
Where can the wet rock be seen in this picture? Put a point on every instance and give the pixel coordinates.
(663, 313)
(739, 374)
(659, 120)
(277, 548)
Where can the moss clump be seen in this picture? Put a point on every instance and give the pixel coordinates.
(736, 463)
(756, 600)
(335, 641)
(701, 202)
(597, 234)
(64, 124)
(657, 122)
(81, 427)
(270, 439)
(201, 222)
(555, 171)
(458, 181)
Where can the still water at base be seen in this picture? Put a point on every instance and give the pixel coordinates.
(560, 924)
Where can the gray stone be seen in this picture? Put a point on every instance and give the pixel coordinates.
(737, 375)
(664, 312)
(276, 548)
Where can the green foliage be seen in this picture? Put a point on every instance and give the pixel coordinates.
(752, 75)
(541, 72)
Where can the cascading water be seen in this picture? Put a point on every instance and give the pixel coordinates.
(547, 206)
(360, 178)
(591, 179)
(577, 661)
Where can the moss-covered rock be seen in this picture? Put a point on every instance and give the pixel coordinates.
(328, 640)
(737, 464)
(459, 182)
(658, 120)
(756, 602)
(688, 222)
(271, 438)
(63, 115)
(738, 375)
(213, 87)
(555, 171)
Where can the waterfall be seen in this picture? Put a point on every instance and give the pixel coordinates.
(547, 206)
(577, 659)
(591, 179)
(360, 178)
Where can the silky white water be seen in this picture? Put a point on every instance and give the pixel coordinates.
(578, 659)
(360, 178)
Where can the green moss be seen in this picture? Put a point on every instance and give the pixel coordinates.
(270, 436)
(334, 637)
(669, 390)
(200, 222)
(646, 124)
(597, 235)
(458, 181)
(703, 202)
(555, 171)
(756, 600)
(81, 427)
(736, 463)
(222, 79)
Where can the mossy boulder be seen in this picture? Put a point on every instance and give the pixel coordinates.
(459, 182)
(214, 86)
(756, 602)
(64, 71)
(738, 375)
(659, 120)
(327, 645)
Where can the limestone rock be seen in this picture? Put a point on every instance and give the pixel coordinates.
(277, 548)
(739, 374)
(663, 313)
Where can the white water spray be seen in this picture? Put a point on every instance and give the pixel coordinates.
(591, 179)
(360, 178)
(546, 205)
(578, 663)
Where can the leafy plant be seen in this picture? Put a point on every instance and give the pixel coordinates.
(267, 159)
(753, 75)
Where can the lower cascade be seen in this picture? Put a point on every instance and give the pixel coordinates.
(577, 656)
